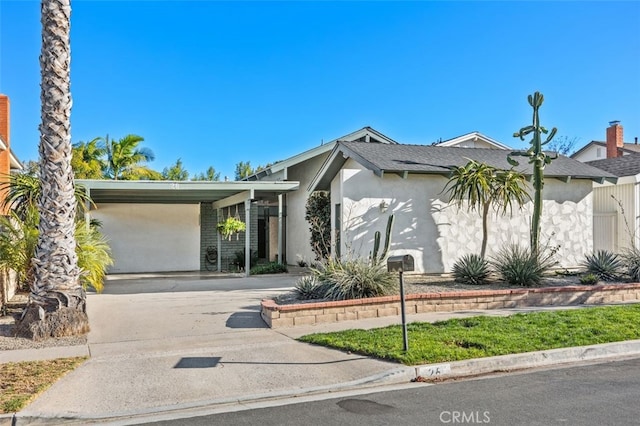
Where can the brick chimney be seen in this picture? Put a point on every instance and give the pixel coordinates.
(5, 154)
(615, 140)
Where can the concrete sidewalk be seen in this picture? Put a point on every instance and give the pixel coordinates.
(198, 344)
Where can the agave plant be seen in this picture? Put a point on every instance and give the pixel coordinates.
(631, 260)
(471, 269)
(605, 264)
(520, 266)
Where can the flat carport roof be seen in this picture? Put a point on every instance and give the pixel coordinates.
(221, 194)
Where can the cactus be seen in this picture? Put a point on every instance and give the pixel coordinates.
(387, 243)
(539, 159)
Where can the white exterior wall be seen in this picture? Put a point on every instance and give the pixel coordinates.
(151, 237)
(592, 153)
(297, 234)
(626, 227)
(436, 233)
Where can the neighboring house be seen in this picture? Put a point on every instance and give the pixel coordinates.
(8, 163)
(368, 182)
(617, 206)
(613, 147)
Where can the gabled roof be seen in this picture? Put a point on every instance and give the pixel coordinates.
(474, 136)
(627, 148)
(366, 134)
(627, 165)
(423, 159)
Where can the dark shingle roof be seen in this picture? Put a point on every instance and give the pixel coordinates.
(627, 165)
(436, 159)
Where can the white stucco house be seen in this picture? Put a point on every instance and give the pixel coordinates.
(156, 226)
(368, 182)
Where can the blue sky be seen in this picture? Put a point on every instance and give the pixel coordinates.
(215, 83)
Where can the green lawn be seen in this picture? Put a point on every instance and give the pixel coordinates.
(483, 336)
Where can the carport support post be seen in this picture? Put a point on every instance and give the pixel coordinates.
(219, 240)
(280, 256)
(247, 237)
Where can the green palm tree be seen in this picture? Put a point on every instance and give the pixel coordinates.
(57, 304)
(483, 186)
(125, 159)
(87, 160)
(23, 191)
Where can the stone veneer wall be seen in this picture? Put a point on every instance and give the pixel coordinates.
(277, 316)
(209, 233)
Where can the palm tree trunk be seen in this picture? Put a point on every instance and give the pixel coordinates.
(485, 228)
(57, 301)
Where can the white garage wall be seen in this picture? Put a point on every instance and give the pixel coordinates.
(151, 237)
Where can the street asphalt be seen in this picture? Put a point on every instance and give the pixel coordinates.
(176, 345)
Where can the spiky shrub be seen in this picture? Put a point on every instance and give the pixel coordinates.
(520, 266)
(471, 269)
(605, 264)
(94, 255)
(631, 260)
(357, 279)
(310, 288)
(589, 279)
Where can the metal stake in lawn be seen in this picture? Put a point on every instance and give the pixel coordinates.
(401, 264)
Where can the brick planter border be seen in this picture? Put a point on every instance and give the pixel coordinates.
(277, 316)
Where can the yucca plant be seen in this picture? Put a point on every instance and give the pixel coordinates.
(605, 264)
(519, 266)
(631, 260)
(358, 279)
(471, 269)
(310, 288)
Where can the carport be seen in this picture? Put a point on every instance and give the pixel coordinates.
(160, 216)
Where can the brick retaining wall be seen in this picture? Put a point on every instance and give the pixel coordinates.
(277, 316)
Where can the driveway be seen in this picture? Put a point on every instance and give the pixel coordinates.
(165, 343)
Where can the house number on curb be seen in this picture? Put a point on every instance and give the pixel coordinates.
(438, 370)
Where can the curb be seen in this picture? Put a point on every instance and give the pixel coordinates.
(427, 372)
(54, 352)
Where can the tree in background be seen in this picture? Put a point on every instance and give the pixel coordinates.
(563, 145)
(539, 159)
(57, 303)
(175, 172)
(243, 170)
(210, 175)
(126, 160)
(88, 159)
(482, 186)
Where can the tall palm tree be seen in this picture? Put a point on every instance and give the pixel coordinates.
(125, 159)
(483, 186)
(57, 304)
(87, 159)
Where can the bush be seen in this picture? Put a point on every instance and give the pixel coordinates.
(589, 279)
(355, 279)
(605, 264)
(309, 288)
(269, 268)
(518, 266)
(631, 261)
(471, 269)
(253, 261)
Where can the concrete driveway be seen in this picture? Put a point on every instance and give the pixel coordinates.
(165, 343)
